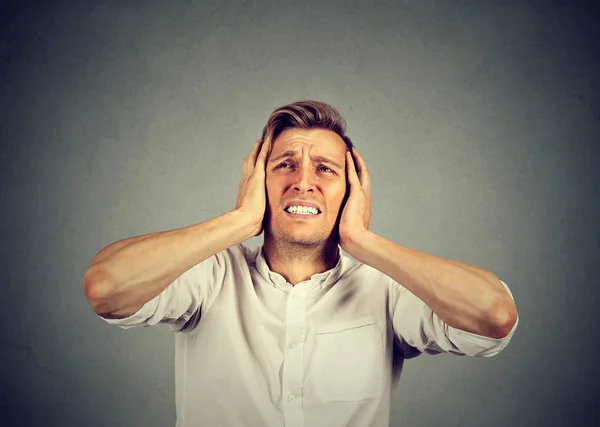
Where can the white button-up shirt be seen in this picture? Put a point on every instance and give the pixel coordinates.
(253, 350)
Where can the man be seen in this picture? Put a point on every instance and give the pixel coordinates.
(295, 333)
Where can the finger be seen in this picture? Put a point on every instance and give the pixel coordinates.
(365, 177)
(264, 152)
(351, 170)
(255, 147)
(254, 153)
(250, 159)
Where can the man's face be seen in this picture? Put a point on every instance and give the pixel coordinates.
(305, 167)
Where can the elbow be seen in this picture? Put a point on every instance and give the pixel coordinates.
(97, 285)
(504, 317)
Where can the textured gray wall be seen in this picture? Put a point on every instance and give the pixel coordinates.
(479, 122)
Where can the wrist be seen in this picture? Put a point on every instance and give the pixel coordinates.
(353, 242)
(249, 222)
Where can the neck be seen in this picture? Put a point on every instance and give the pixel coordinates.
(297, 263)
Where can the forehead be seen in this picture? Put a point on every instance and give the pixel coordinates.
(315, 141)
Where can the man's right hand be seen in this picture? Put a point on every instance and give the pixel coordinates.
(252, 200)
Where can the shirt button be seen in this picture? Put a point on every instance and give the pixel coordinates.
(291, 398)
(292, 345)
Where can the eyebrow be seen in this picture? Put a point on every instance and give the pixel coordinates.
(291, 153)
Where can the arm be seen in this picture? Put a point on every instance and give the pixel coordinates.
(132, 272)
(463, 296)
(128, 273)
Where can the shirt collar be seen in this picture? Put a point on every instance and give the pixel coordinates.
(322, 280)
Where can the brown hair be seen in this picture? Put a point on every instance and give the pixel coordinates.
(306, 115)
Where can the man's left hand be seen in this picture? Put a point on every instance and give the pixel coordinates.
(357, 211)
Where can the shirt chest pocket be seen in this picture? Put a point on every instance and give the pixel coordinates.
(347, 361)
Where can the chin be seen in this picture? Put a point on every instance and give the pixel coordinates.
(305, 239)
(297, 237)
(308, 242)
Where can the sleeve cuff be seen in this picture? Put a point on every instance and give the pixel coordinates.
(139, 318)
(478, 345)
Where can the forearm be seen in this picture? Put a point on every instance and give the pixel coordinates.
(463, 296)
(127, 274)
(116, 246)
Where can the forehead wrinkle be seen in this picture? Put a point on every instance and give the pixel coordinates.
(293, 142)
(286, 153)
(292, 153)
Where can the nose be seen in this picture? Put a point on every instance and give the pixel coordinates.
(305, 182)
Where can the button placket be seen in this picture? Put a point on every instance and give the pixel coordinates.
(293, 365)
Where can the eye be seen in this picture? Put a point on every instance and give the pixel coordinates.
(282, 165)
(326, 168)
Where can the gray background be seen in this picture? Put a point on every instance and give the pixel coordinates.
(478, 121)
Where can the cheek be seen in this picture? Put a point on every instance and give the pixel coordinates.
(337, 198)
(273, 192)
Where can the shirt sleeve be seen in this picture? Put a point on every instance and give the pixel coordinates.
(183, 302)
(420, 330)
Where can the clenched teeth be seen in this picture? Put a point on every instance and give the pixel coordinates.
(303, 210)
